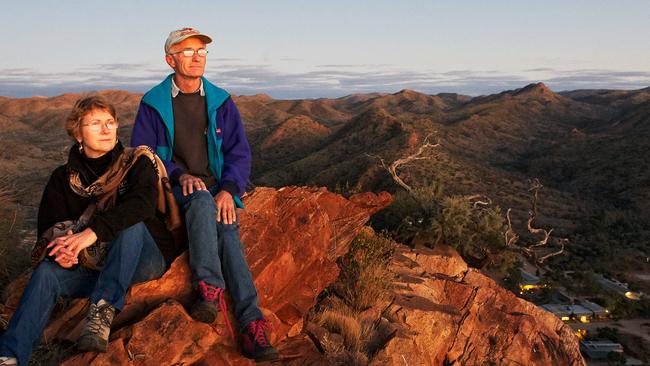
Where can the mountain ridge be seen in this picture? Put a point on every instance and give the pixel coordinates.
(489, 145)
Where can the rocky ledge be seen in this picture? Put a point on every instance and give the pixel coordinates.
(439, 311)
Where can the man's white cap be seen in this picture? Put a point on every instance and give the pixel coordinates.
(183, 34)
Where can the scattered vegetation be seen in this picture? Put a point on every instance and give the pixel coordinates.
(13, 258)
(344, 323)
(363, 336)
(428, 216)
(472, 224)
(602, 238)
(347, 190)
(363, 283)
(365, 278)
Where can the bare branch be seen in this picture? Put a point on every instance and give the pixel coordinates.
(381, 160)
(485, 202)
(561, 242)
(510, 235)
(532, 250)
(536, 185)
(392, 169)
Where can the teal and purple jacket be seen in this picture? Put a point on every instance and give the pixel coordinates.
(229, 155)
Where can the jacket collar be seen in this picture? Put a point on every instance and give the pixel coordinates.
(176, 89)
(160, 99)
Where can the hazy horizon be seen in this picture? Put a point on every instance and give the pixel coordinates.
(292, 50)
(309, 97)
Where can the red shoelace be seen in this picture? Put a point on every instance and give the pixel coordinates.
(256, 328)
(215, 294)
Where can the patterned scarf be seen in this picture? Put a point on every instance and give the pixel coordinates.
(104, 191)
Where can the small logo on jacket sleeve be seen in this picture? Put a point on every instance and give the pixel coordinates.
(218, 131)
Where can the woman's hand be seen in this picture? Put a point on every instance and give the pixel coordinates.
(71, 244)
(62, 255)
(65, 258)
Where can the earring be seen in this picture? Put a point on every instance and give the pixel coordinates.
(80, 147)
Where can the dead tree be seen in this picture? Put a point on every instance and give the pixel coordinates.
(534, 251)
(477, 202)
(392, 168)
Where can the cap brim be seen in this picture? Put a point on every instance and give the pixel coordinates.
(204, 38)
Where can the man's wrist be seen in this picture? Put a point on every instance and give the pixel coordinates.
(175, 176)
(229, 187)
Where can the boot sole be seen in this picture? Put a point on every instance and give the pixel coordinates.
(267, 356)
(204, 313)
(92, 344)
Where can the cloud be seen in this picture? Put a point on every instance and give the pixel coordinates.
(321, 81)
(597, 79)
(116, 67)
(355, 66)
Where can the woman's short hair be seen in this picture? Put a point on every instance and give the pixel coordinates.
(82, 107)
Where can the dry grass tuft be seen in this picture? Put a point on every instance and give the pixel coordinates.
(364, 282)
(6, 192)
(363, 336)
(350, 359)
(343, 323)
(13, 258)
(365, 278)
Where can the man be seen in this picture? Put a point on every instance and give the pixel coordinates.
(195, 128)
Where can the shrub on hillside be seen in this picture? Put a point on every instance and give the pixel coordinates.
(430, 217)
(365, 278)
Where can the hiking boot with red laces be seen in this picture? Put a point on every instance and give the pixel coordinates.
(211, 301)
(205, 308)
(254, 342)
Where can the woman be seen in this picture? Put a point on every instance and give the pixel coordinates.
(115, 246)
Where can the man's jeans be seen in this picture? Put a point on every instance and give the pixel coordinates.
(216, 254)
(132, 257)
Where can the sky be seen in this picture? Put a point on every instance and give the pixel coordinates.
(301, 49)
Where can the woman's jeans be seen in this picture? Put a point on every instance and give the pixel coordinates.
(132, 257)
(215, 253)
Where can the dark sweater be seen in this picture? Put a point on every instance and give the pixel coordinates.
(136, 199)
(190, 136)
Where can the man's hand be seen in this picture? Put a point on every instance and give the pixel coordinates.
(225, 207)
(189, 183)
(71, 244)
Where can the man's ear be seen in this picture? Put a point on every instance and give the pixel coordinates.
(170, 61)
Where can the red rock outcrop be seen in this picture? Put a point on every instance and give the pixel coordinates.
(442, 312)
(292, 238)
(448, 314)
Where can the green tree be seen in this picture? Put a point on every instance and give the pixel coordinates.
(474, 230)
